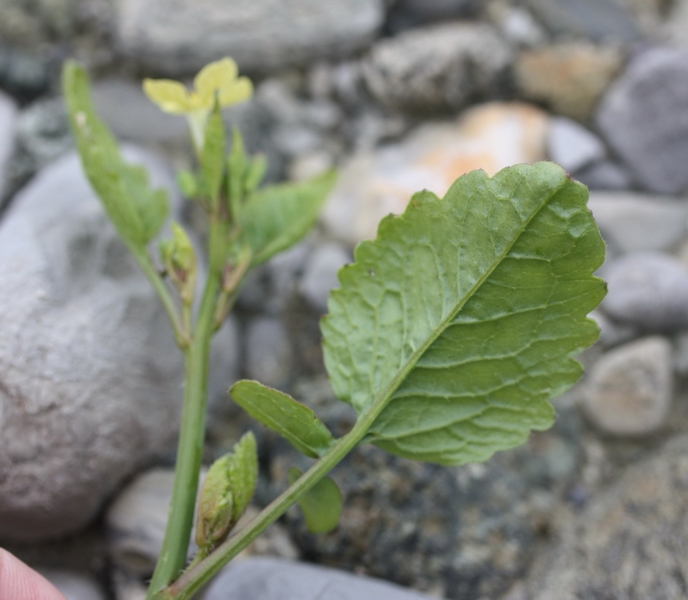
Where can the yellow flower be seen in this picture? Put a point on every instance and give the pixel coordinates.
(217, 77)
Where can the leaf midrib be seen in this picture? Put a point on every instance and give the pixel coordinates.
(380, 402)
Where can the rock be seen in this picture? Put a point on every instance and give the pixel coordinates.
(605, 175)
(320, 274)
(269, 355)
(598, 20)
(8, 124)
(570, 77)
(23, 74)
(273, 579)
(259, 34)
(131, 116)
(612, 333)
(676, 26)
(517, 24)
(572, 146)
(136, 522)
(644, 117)
(632, 222)
(649, 290)
(375, 183)
(43, 136)
(74, 586)
(630, 387)
(628, 542)
(681, 358)
(405, 14)
(439, 67)
(90, 372)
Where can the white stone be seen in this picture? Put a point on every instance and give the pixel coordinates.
(74, 586)
(320, 274)
(572, 146)
(376, 183)
(630, 388)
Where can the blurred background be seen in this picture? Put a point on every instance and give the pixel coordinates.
(398, 95)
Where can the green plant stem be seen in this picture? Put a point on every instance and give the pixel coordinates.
(195, 578)
(146, 264)
(192, 433)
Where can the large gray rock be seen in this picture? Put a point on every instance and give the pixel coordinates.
(90, 377)
(630, 542)
(437, 67)
(269, 353)
(630, 387)
(74, 586)
(632, 222)
(260, 35)
(8, 126)
(644, 117)
(273, 579)
(649, 290)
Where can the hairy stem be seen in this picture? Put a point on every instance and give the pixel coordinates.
(192, 433)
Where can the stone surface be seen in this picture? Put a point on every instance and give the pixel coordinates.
(320, 274)
(611, 332)
(373, 184)
(598, 20)
(8, 126)
(74, 586)
(605, 175)
(136, 522)
(631, 222)
(258, 34)
(573, 146)
(273, 579)
(676, 26)
(644, 117)
(131, 116)
(438, 67)
(411, 13)
(269, 355)
(23, 73)
(570, 77)
(629, 542)
(647, 289)
(629, 389)
(90, 371)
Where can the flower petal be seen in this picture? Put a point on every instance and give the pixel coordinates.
(170, 96)
(237, 91)
(213, 77)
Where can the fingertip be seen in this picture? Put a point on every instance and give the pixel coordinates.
(20, 582)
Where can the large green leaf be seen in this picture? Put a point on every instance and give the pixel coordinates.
(280, 412)
(278, 216)
(461, 319)
(137, 211)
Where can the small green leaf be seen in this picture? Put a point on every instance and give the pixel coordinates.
(179, 257)
(461, 320)
(187, 183)
(321, 505)
(215, 505)
(243, 473)
(137, 211)
(226, 493)
(280, 412)
(213, 158)
(277, 217)
(255, 173)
